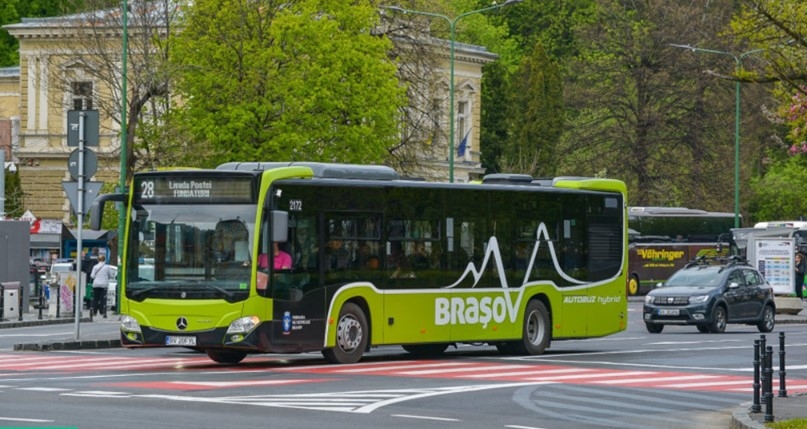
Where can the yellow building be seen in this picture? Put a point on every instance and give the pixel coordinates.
(56, 75)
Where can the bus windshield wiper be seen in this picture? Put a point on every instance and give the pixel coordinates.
(222, 291)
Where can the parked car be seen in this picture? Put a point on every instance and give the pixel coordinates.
(710, 293)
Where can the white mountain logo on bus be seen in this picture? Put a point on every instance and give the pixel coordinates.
(472, 309)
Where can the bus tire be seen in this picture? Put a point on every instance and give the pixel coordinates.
(425, 349)
(633, 285)
(226, 356)
(352, 336)
(536, 332)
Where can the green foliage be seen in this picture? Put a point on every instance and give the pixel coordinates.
(15, 198)
(536, 116)
(12, 11)
(781, 194)
(788, 424)
(302, 80)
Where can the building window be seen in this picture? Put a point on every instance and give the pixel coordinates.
(82, 95)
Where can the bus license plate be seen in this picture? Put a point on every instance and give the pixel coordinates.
(180, 341)
(668, 312)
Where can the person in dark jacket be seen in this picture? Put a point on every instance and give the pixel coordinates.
(801, 268)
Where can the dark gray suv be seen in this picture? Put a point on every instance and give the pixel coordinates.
(710, 294)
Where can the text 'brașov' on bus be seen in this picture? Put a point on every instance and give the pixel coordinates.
(296, 257)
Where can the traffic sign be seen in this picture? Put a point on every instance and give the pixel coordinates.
(90, 127)
(91, 190)
(90, 163)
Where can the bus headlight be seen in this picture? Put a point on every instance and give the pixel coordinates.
(129, 323)
(243, 325)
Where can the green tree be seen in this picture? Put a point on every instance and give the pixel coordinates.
(780, 193)
(526, 24)
(296, 80)
(12, 11)
(536, 116)
(642, 112)
(15, 198)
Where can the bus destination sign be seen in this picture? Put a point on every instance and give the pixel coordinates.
(184, 189)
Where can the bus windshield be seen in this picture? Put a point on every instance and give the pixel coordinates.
(202, 250)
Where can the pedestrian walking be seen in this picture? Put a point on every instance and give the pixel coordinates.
(100, 283)
(801, 268)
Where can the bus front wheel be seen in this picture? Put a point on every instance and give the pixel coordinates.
(351, 336)
(536, 332)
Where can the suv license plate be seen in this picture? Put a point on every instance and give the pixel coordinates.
(180, 341)
(668, 312)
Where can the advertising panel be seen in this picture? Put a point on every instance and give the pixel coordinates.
(773, 257)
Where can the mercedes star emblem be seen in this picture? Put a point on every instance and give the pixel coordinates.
(182, 323)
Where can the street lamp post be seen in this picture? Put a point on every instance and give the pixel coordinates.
(452, 26)
(738, 61)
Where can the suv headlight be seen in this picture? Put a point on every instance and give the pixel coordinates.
(698, 299)
(648, 299)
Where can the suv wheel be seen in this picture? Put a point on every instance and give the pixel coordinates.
(654, 328)
(718, 324)
(768, 320)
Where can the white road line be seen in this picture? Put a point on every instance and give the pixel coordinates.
(587, 376)
(708, 384)
(533, 372)
(16, 419)
(439, 419)
(464, 369)
(395, 367)
(656, 379)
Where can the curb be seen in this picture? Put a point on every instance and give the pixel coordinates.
(740, 418)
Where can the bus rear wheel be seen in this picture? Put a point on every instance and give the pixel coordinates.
(536, 332)
(352, 336)
(228, 356)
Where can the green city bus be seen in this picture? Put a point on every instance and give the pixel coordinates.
(371, 260)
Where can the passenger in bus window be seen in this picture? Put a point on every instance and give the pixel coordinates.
(337, 257)
(421, 259)
(400, 263)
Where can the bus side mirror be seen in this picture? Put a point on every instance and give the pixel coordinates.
(97, 208)
(280, 226)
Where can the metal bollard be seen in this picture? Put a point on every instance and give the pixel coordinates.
(768, 384)
(19, 304)
(39, 290)
(782, 387)
(755, 406)
(2, 301)
(58, 300)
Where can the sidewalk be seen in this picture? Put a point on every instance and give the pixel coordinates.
(34, 318)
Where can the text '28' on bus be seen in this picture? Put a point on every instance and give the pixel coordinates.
(664, 239)
(271, 257)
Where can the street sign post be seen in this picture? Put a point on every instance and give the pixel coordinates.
(82, 131)
(90, 124)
